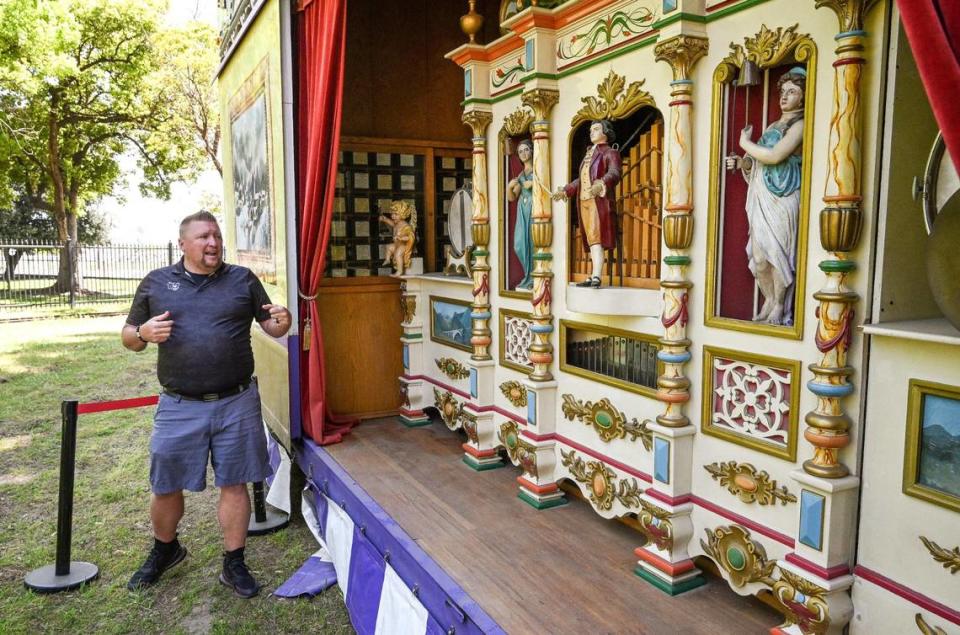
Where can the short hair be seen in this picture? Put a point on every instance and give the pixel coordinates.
(608, 130)
(202, 216)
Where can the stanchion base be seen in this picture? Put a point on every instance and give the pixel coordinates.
(46, 580)
(275, 521)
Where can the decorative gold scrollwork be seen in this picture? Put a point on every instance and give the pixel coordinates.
(408, 307)
(520, 452)
(743, 559)
(746, 483)
(614, 102)
(469, 423)
(803, 603)
(656, 526)
(452, 368)
(850, 13)
(609, 422)
(949, 559)
(926, 629)
(518, 122)
(602, 482)
(450, 409)
(768, 48)
(515, 392)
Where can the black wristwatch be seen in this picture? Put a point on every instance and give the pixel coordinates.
(140, 337)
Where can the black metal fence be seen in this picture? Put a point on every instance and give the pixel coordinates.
(36, 274)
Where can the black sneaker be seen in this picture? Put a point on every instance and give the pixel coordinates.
(236, 576)
(156, 563)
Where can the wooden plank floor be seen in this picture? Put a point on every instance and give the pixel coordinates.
(562, 570)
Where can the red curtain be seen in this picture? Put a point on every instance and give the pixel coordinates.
(321, 31)
(933, 29)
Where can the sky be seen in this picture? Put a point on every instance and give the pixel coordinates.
(146, 220)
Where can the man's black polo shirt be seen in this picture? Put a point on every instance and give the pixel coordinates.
(209, 346)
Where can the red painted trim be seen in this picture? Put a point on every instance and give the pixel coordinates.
(533, 20)
(412, 413)
(666, 566)
(746, 522)
(480, 454)
(537, 489)
(826, 574)
(439, 384)
(574, 11)
(515, 42)
(908, 594)
(606, 459)
(680, 102)
(119, 404)
(849, 60)
(665, 498)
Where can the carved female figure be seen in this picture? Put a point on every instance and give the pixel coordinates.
(771, 167)
(520, 189)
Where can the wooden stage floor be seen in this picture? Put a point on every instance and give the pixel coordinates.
(560, 570)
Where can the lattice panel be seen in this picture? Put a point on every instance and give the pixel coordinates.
(517, 339)
(752, 400)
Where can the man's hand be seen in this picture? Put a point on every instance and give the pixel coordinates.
(157, 329)
(279, 322)
(559, 195)
(598, 189)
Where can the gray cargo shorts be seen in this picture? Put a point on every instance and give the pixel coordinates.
(186, 434)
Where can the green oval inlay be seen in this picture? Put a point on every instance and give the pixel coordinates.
(603, 419)
(511, 440)
(736, 558)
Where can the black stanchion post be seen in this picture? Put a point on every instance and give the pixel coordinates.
(265, 519)
(64, 575)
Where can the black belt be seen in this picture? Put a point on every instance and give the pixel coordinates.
(210, 396)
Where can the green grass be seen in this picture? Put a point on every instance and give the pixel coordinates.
(42, 363)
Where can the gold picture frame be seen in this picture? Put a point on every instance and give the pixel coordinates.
(912, 461)
(503, 313)
(516, 124)
(786, 451)
(449, 341)
(566, 367)
(767, 49)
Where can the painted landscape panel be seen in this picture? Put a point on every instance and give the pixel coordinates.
(939, 461)
(450, 322)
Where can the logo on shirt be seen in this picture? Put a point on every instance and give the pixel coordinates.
(173, 286)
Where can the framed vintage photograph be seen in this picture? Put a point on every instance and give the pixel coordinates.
(251, 147)
(751, 400)
(759, 195)
(450, 322)
(931, 465)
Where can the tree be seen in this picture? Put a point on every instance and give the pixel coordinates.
(81, 82)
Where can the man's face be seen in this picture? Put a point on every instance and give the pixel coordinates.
(596, 133)
(202, 246)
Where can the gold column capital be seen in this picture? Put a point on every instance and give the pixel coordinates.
(478, 120)
(850, 13)
(682, 53)
(541, 101)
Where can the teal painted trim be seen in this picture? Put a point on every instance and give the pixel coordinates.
(482, 467)
(414, 423)
(539, 76)
(413, 336)
(533, 502)
(676, 17)
(546, 256)
(722, 13)
(666, 587)
(676, 260)
(833, 266)
(481, 252)
(609, 56)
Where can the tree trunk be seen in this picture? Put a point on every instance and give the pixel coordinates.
(65, 216)
(10, 262)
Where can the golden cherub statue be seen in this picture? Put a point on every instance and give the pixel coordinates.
(404, 235)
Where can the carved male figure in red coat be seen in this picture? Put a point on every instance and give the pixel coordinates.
(596, 198)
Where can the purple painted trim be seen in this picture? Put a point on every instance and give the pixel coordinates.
(908, 594)
(669, 500)
(743, 520)
(439, 384)
(437, 591)
(827, 574)
(643, 476)
(473, 407)
(293, 366)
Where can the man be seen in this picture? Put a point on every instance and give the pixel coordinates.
(595, 191)
(198, 312)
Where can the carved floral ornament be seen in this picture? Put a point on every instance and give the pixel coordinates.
(517, 123)
(950, 559)
(602, 483)
(469, 423)
(615, 100)
(743, 560)
(450, 409)
(749, 485)
(926, 629)
(515, 392)
(803, 601)
(520, 452)
(452, 368)
(850, 13)
(681, 53)
(408, 307)
(608, 422)
(656, 526)
(767, 49)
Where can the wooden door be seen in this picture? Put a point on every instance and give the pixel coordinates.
(362, 351)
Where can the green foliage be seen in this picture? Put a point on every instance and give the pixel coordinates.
(82, 82)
